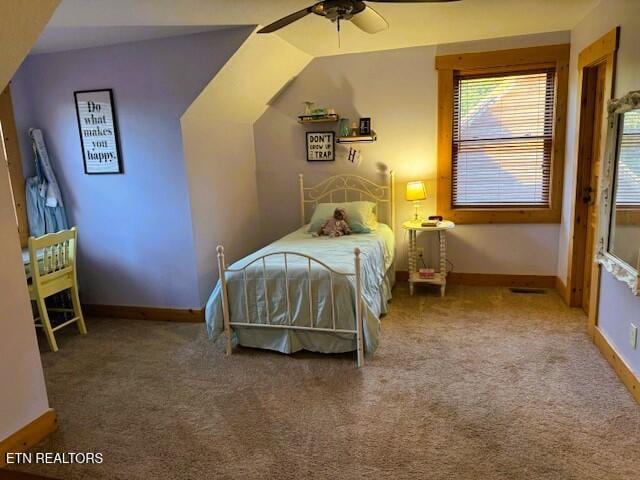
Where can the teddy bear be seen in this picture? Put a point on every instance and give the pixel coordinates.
(337, 225)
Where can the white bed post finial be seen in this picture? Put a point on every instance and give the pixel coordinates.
(301, 185)
(225, 298)
(359, 323)
(392, 198)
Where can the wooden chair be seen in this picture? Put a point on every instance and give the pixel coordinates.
(53, 270)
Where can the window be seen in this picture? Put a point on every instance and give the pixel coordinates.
(502, 132)
(501, 136)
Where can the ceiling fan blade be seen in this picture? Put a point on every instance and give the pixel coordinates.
(283, 22)
(412, 1)
(369, 21)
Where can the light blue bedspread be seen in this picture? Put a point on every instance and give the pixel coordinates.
(376, 258)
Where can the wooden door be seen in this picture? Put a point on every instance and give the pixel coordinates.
(592, 172)
(596, 68)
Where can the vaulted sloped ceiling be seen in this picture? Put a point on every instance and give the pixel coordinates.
(20, 25)
(410, 24)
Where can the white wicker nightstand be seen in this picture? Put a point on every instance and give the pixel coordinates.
(440, 278)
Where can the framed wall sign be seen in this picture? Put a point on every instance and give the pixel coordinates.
(365, 126)
(321, 146)
(98, 131)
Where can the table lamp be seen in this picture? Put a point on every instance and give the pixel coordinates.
(416, 191)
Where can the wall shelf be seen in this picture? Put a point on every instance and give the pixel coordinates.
(358, 138)
(318, 119)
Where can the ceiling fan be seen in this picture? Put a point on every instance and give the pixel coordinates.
(358, 12)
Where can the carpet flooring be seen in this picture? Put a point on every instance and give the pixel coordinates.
(482, 384)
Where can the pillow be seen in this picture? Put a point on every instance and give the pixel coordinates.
(360, 216)
(372, 221)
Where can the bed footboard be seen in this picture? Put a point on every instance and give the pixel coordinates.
(357, 329)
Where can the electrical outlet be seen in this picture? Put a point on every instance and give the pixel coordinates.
(420, 251)
(633, 336)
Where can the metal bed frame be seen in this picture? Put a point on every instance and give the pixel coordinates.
(338, 188)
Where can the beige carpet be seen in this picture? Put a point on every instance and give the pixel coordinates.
(483, 384)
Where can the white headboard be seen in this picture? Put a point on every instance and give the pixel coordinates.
(349, 188)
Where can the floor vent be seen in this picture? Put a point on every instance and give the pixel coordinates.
(530, 291)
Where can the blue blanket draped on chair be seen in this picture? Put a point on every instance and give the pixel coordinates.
(45, 210)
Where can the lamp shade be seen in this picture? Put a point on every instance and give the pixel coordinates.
(416, 191)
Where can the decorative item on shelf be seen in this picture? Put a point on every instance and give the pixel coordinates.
(317, 115)
(343, 129)
(320, 146)
(416, 192)
(308, 107)
(354, 130)
(365, 126)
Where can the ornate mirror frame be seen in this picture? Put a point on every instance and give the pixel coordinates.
(618, 268)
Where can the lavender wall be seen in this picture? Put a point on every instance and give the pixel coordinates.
(618, 308)
(135, 232)
(219, 150)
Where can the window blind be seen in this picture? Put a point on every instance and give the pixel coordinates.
(502, 140)
(628, 176)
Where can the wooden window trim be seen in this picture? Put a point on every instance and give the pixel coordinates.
(14, 163)
(502, 61)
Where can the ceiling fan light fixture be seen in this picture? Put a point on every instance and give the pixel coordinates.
(338, 9)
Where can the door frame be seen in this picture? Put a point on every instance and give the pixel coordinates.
(14, 162)
(601, 52)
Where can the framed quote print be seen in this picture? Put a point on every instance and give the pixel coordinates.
(320, 146)
(98, 131)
